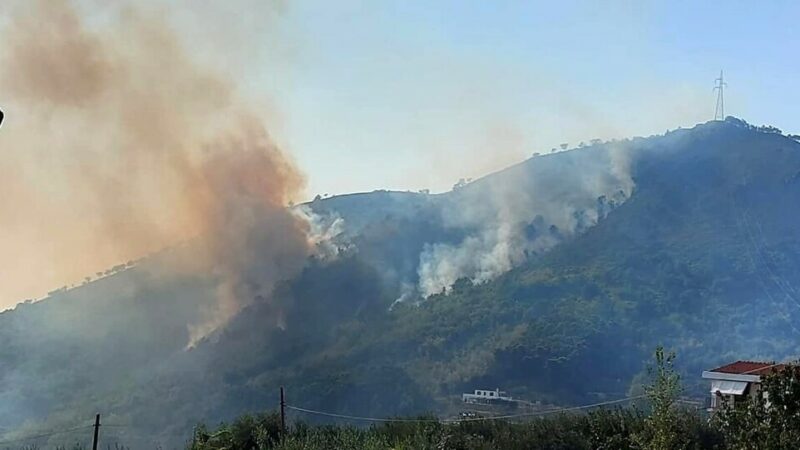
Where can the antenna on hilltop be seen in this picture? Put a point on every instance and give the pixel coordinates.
(719, 111)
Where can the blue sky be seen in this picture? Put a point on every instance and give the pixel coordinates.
(416, 94)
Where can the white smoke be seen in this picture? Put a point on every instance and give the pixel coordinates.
(524, 212)
(325, 232)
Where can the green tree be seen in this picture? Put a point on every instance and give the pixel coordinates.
(770, 420)
(662, 430)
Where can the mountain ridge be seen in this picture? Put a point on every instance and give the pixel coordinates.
(699, 255)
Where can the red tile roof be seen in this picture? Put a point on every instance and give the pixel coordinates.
(750, 368)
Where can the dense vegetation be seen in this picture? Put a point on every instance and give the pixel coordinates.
(665, 427)
(604, 429)
(702, 257)
(769, 421)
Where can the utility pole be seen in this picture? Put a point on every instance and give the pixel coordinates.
(96, 431)
(283, 413)
(719, 111)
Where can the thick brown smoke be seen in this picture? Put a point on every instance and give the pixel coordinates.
(118, 144)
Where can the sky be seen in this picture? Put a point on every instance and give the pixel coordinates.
(417, 94)
(412, 95)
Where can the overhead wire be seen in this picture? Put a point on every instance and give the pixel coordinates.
(364, 418)
(43, 435)
(469, 419)
(743, 223)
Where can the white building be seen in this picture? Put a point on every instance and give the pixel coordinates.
(485, 396)
(737, 381)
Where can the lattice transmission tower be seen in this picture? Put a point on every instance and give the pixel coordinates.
(719, 111)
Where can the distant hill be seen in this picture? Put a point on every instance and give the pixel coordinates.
(552, 279)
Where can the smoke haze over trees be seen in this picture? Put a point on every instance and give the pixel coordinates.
(156, 180)
(130, 146)
(336, 337)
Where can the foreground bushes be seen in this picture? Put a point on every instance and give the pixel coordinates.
(598, 430)
(770, 421)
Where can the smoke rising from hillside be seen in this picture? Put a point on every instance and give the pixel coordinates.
(524, 212)
(121, 145)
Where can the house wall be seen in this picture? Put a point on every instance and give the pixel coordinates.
(753, 390)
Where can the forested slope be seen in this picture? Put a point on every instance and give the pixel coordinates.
(687, 240)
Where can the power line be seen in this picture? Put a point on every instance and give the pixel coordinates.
(38, 436)
(86, 427)
(471, 419)
(363, 418)
(553, 411)
(743, 222)
(367, 419)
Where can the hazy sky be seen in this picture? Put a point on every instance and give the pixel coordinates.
(403, 94)
(415, 94)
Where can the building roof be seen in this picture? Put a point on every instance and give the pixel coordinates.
(750, 367)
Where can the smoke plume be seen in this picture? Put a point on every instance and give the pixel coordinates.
(118, 144)
(524, 212)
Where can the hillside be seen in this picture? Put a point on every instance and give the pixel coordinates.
(552, 279)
